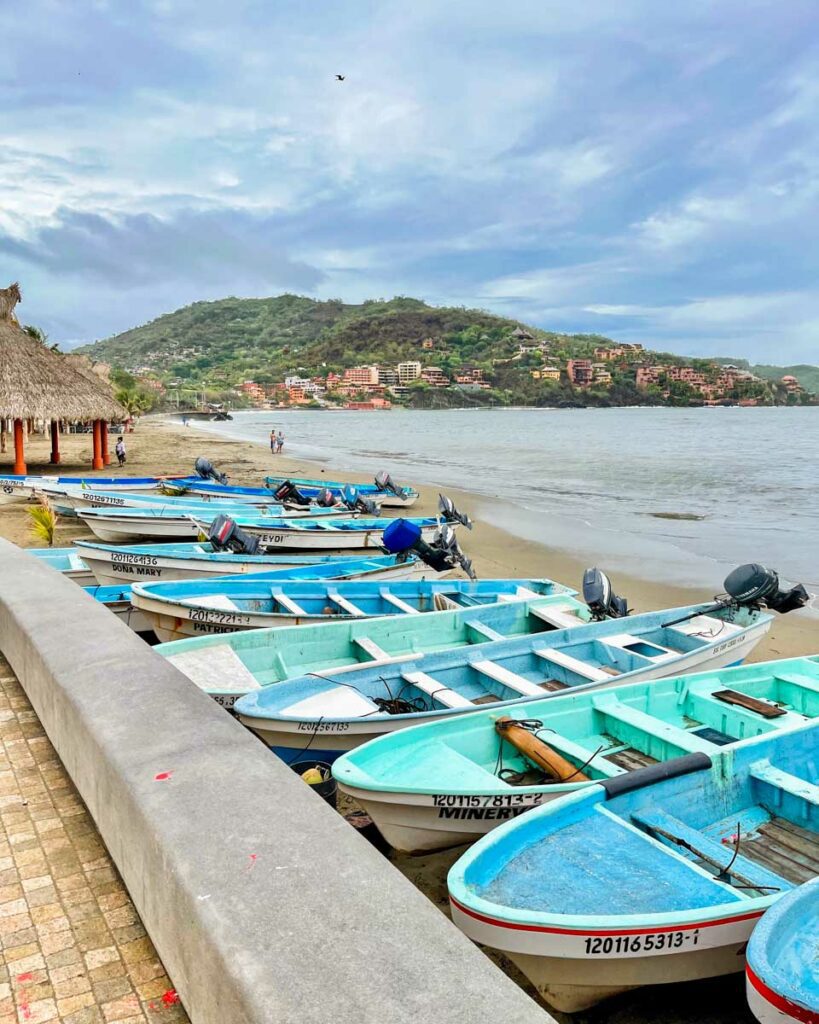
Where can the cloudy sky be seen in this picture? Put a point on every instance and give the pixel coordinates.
(648, 171)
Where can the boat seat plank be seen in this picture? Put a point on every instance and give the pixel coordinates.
(764, 771)
(797, 679)
(432, 688)
(371, 647)
(615, 709)
(681, 836)
(219, 602)
(348, 606)
(216, 667)
(396, 602)
(483, 630)
(559, 616)
(287, 602)
(566, 661)
(509, 679)
(761, 707)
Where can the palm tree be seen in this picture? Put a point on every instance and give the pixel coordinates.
(40, 335)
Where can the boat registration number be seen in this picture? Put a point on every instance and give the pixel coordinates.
(209, 615)
(651, 942)
(271, 538)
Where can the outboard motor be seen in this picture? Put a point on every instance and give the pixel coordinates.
(352, 499)
(402, 536)
(601, 599)
(288, 494)
(225, 535)
(384, 482)
(205, 470)
(325, 498)
(754, 586)
(446, 508)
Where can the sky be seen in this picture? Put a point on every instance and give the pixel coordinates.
(642, 170)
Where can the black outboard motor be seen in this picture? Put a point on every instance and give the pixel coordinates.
(205, 470)
(288, 494)
(447, 510)
(754, 586)
(325, 498)
(444, 553)
(225, 535)
(601, 599)
(384, 482)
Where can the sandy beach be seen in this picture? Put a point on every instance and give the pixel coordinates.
(164, 446)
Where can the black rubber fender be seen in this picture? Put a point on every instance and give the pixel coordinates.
(643, 777)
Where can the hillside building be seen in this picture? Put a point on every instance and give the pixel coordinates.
(435, 377)
(580, 372)
(408, 372)
(547, 373)
(361, 376)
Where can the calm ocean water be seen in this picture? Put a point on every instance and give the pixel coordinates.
(600, 482)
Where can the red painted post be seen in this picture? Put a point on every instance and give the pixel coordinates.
(55, 442)
(97, 431)
(19, 452)
(106, 454)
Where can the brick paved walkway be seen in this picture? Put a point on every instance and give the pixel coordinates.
(72, 947)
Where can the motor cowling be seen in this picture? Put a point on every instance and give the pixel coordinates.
(325, 498)
(446, 508)
(225, 535)
(600, 597)
(288, 494)
(205, 470)
(384, 482)
(354, 500)
(444, 553)
(755, 586)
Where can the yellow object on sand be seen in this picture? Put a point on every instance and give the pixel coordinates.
(313, 776)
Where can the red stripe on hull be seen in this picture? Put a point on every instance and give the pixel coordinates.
(794, 1010)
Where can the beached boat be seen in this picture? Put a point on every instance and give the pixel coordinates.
(68, 561)
(340, 534)
(118, 601)
(209, 490)
(227, 667)
(782, 962)
(130, 524)
(24, 488)
(451, 782)
(654, 877)
(391, 495)
(197, 607)
(68, 501)
(153, 563)
(503, 674)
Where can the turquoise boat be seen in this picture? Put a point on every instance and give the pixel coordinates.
(112, 564)
(655, 877)
(389, 494)
(68, 501)
(23, 488)
(68, 561)
(118, 601)
(451, 782)
(782, 964)
(231, 665)
(197, 607)
(338, 715)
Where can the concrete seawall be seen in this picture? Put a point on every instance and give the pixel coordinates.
(264, 905)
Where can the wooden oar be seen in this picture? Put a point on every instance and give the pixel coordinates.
(538, 752)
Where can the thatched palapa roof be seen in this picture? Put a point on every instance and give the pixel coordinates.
(40, 384)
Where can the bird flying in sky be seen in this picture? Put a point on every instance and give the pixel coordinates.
(340, 78)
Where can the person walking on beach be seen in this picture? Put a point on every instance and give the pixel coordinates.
(279, 443)
(273, 441)
(119, 448)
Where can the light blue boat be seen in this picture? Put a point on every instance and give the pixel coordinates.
(196, 607)
(782, 967)
(651, 878)
(451, 782)
(229, 666)
(505, 674)
(68, 561)
(69, 501)
(111, 564)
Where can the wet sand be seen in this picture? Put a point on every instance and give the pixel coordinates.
(162, 446)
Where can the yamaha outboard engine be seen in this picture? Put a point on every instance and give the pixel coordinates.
(384, 482)
(754, 586)
(352, 499)
(205, 470)
(447, 509)
(402, 536)
(601, 599)
(225, 535)
(288, 494)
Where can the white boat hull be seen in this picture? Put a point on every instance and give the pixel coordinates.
(123, 530)
(337, 737)
(179, 622)
(134, 618)
(322, 540)
(575, 969)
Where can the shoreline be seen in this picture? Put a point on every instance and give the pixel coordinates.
(160, 445)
